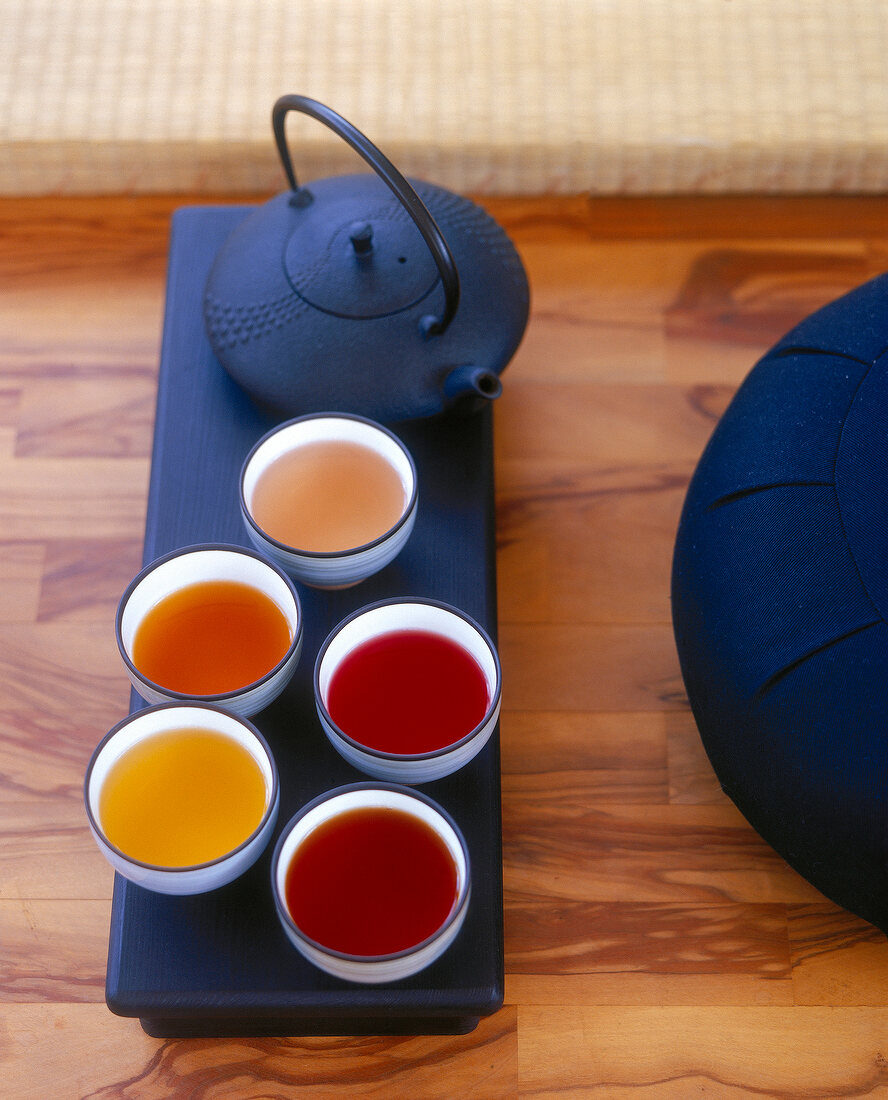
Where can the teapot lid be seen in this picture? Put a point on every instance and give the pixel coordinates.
(354, 251)
(390, 273)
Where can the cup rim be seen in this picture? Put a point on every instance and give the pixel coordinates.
(220, 696)
(458, 907)
(350, 551)
(431, 754)
(271, 801)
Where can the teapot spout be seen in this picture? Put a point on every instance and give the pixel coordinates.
(467, 387)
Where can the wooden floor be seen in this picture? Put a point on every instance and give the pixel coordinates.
(655, 946)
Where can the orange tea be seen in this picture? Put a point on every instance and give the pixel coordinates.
(328, 496)
(211, 637)
(182, 797)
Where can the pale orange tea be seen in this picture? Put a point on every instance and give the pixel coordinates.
(211, 637)
(328, 496)
(182, 797)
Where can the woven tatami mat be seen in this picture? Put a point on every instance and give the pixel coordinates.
(484, 96)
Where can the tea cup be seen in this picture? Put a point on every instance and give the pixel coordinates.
(167, 824)
(371, 882)
(217, 656)
(408, 689)
(331, 498)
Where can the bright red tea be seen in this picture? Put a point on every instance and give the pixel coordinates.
(371, 881)
(211, 637)
(408, 691)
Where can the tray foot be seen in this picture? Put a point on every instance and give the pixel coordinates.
(276, 1026)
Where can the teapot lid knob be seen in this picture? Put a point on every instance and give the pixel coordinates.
(361, 236)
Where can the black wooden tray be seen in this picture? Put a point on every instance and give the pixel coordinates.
(219, 963)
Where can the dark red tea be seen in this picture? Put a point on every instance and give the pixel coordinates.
(371, 881)
(408, 691)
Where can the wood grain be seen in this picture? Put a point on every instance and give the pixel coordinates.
(70, 1051)
(655, 945)
(675, 1052)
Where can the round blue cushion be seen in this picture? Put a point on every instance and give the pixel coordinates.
(780, 595)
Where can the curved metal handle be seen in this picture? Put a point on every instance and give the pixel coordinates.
(414, 205)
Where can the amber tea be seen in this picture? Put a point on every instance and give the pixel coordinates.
(182, 797)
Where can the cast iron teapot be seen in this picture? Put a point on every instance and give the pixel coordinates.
(345, 295)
